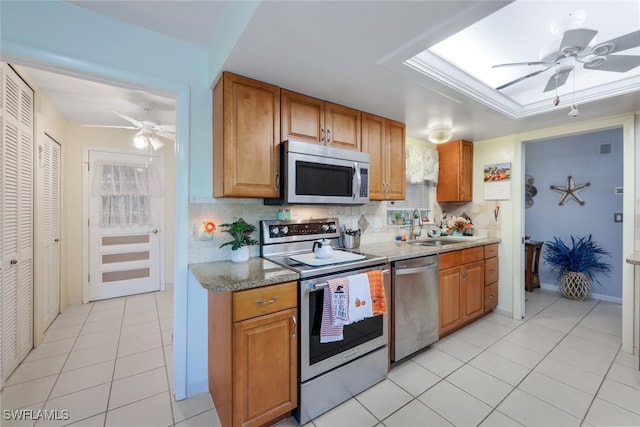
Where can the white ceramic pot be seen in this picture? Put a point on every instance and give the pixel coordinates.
(241, 254)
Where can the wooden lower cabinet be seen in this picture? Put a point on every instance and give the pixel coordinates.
(491, 270)
(253, 365)
(462, 288)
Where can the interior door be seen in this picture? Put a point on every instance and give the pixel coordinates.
(51, 156)
(16, 225)
(124, 254)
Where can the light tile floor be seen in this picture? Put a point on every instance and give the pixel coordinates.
(109, 364)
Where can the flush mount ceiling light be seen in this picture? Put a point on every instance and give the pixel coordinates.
(439, 135)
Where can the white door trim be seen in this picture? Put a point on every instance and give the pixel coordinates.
(85, 217)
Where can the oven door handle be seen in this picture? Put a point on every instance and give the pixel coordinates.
(325, 284)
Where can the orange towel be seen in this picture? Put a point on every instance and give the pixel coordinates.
(376, 286)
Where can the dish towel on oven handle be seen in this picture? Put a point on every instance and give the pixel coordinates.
(335, 301)
(359, 298)
(376, 285)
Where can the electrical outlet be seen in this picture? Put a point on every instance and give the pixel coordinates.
(617, 217)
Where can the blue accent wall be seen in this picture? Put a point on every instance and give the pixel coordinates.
(550, 162)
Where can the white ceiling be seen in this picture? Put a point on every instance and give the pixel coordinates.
(348, 52)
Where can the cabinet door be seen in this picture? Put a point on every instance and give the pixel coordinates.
(373, 143)
(455, 172)
(302, 117)
(246, 131)
(265, 368)
(472, 292)
(396, 162)
(466, 172)
(450, 314)
(342, 126)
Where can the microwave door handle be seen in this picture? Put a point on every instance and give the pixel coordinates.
(356, 170)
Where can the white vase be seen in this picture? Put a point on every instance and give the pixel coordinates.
(240, 255)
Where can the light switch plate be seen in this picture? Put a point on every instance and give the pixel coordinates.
(617, 217)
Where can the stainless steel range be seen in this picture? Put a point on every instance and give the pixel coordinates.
(329, 373)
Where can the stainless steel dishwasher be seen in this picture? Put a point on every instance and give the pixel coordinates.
(415, 299)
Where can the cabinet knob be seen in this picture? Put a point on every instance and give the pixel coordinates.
(14, 262)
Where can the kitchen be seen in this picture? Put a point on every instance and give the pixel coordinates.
(193, 307)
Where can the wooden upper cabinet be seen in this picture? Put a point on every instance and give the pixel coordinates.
(455, 176)
(304, 118)
(384, 140)
(246, 136)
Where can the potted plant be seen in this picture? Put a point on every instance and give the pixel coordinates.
(240, 231)
(399, 219)
(576, 265)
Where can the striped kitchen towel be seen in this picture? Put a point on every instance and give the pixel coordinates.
(331, 327)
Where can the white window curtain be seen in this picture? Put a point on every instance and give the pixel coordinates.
(124, 191)
(422, 164)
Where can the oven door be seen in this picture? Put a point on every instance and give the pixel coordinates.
(359, 338)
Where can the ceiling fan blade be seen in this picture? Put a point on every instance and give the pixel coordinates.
(616, 63)
(513, 64)
(165, 128)
(167, 135)
(110, 126)
(156, 143)
(579, 38)
(535, 73)
(556, 80)
(627, 41)
(136, 123)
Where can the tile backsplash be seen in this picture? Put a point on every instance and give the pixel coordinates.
(421, 196)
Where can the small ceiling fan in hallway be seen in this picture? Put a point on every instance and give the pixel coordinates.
(148, 130)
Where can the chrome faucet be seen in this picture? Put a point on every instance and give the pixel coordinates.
(415, 220)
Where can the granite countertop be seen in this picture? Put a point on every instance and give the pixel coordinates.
(396, 251)
(227, 276)
(634, 258)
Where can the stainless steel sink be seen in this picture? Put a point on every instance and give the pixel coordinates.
(434, 242)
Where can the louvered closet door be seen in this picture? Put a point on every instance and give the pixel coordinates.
(51, 229)
(17, 220)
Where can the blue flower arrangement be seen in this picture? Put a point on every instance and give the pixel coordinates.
(584, 256)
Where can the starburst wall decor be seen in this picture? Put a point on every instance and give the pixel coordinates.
(570, 190)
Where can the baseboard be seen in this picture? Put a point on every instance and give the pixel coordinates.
(594, 295)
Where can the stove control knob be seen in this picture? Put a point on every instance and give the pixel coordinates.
(274, 230)
(284, 230)
(332, 226)
(325, 227)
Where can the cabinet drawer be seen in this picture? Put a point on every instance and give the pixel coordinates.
(491, 270)
(472, 254)
(491, 251)
(450, 259)
(264, 300)
(490, 296)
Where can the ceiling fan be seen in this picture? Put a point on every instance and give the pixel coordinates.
(574, 48)
(148, 131)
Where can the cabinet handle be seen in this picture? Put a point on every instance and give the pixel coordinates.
(269, 301)
(56, 240)
(328, 136)
(14, 261)
(295, 325)
(464, 274)
(277, 181)
(321, 134)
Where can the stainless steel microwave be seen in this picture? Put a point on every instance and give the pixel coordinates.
(318, 174)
